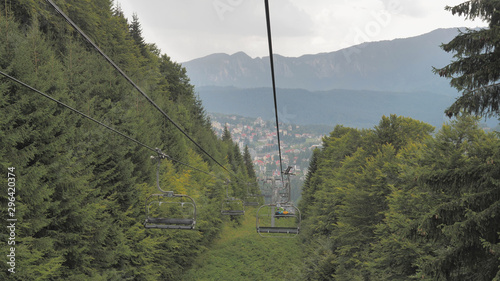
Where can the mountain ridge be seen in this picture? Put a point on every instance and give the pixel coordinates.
(403, 64)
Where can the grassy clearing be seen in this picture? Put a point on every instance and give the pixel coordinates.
(241, 254)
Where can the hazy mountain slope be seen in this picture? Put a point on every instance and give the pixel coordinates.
(396, 65)
(348, 107)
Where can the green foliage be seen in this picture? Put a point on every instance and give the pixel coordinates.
(464, 176)
(249, 165)
(241, 254)
(394, 203)
(390, 203)
(81, 189)
(474, 72)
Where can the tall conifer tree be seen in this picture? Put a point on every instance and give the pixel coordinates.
(475, 70)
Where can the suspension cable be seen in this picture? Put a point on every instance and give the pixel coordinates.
(161, 154)
(134, 84)
(269, 39)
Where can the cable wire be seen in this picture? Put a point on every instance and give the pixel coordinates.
(104, 125)
(133, 84)
(187, 165)
(76, 111)
(269, 39)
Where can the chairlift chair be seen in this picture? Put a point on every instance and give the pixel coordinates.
(252, 199)
(267, 184)
(268, 198)
(167, 210)
(233, 207)
(170, 211)
(270, 223)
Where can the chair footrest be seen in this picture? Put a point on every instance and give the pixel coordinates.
(251, 203)
(287, 230)
(233, 212)
(168, 221)
(163, 226)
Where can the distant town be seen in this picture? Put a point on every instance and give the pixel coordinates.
(297, 142)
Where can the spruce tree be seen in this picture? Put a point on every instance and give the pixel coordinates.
(247, 158)
(461, 226)
(136, 33)
(475, 69)
(309, 187)
(82, 188)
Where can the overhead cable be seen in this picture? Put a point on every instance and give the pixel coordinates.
(134, 84)
(269, 39)
(102, 124)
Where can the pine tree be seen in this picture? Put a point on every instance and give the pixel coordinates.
(363, 204)
(136, 32)
(39, 151)
(309, 187)
(474, 72)
(399, 131)
(347, 198)
(226, 135)
(247, 158)
(393, 256)
(80, 205)
(462, 224)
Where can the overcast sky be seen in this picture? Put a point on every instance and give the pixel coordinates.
(189, 29)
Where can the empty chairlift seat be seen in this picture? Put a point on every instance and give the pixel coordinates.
(233, 207)
(253, 199)
(170, 211)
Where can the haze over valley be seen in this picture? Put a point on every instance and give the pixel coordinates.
(354, 87)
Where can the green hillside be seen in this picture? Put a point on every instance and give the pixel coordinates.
(77, 190)
(241, 254)
(397, 201)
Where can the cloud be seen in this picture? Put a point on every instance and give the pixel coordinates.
(190, 29)
(290, 20)
(410, 8)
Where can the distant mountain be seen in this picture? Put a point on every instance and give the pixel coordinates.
(353, 87)
(352, 108)
(400, 65)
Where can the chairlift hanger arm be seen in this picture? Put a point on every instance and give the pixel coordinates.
(287, 171)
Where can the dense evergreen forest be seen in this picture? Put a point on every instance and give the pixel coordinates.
(397, 203)
(400, 201)
(80, 189)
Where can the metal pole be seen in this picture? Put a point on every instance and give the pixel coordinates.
(273, 215)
